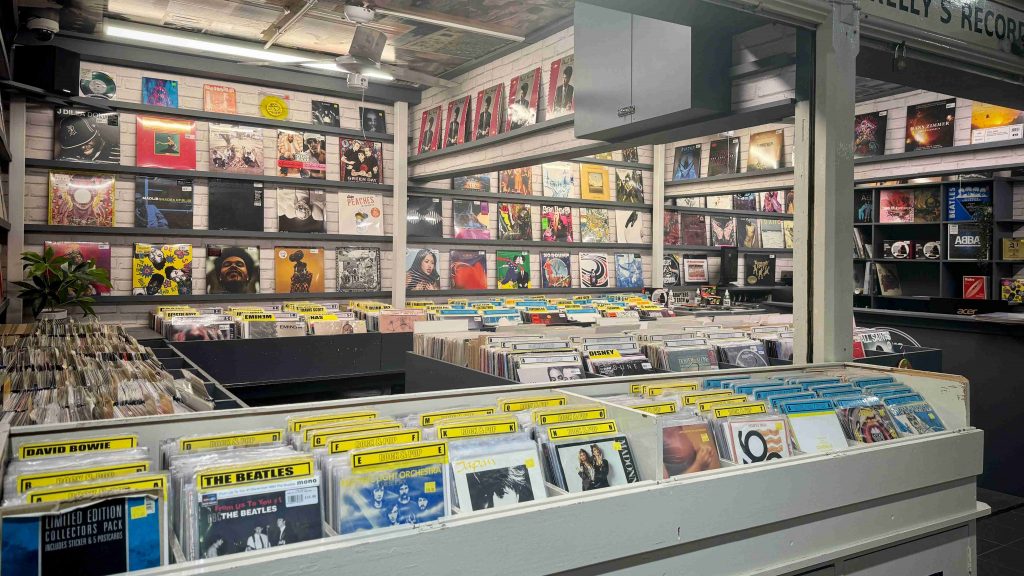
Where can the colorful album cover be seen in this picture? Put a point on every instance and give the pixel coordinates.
(471, 219)
(559, 179)
(362, 161)
(164, 270)
(927, 205)
(896, 206)
(163, 202)
(456, 129)
(301, 210)
(914, 417)
(724, 157)
(237, 149)
(232, 269)
(991, 123)
(222, 99)
(298, 269)
(488, 111)
(78, 252)
(361, 214)
(467, 270)
(695, 229)
(687, 448)
(787, 233)
(560, 87)
(629, 271)
(723, 231)
(771, 201)
(593, 270)
(516, 181)
(160, 92)
(745, 201)
(629, 186)
(523, 95)
(967, 202)
(325, 113)
(373, 120)
(692, 202)
(358, 268)
(869, 134)
(556, 270)
(423, 217)
(863, 206)
(480, 182)
(868, 424)
(235, 205)
(430, 130)
(274, 105)
(695, 270)
(513, 269)
(301, 154)
(766, 151)
(594, 182)
(628, 227)
(96, 84)
(790, 201)
(673, 229)
(670, 271)
(556, 224)
(758, 439)
(931, 125)
(514, 222)
(759, 269)
(498, 478)
(687, 162)
(771, 234)
(749, 233)
(398, 496)
(82, 135)
(596, 463)
(81, 199)
(421, 269)
(165, 143)
(594, 226)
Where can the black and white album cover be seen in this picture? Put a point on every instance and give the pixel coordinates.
(423, 217)
(597, 463)
(301, 210)
(498, 479)
(81, 135)
(358, 269)
(326, 113)
(373, 120)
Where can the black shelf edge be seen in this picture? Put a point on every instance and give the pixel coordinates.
(5, 225)
(195, 233)
(523, 132)
(715, 249)
(4, 306)
(910, 223)
(219, 117)
(278, 181)
(412, 295)
(263, 296)
(615, 163)
(920, 184)
(945, 172)
(904, 260)
(422, 240)
(423, 191)
(325, 378)
(705, 194)
(738, 176)
(738, 213)
(871, 160)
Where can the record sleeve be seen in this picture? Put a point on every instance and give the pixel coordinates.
(673, 233)
(593, 270)
(596, 463)
(165, 143)
(745, 201)
(888, 279)
(430, 130)
(489, 104)
(695, 270)
(82, 135)
(235, 205)
(516, 181)
(723, 231)
(496, 473)
(594, 226)
(301, 154)
(771, 234)
(513, 269)
(670, 270)
(724, 157)
(790, 201)
(358, 269)
(327, 114)
(221, 99)
(474, 182)
(421, 269)
(628, 227)
(298, 269)
(559, 179)
(771, 201)
(236, 149)
(991, 123)
(401, 495)
(555, 270)
(868, 421)
(629, 271)
(301, 210)
(766, 151)
(96, 84)
(81, 199)
(373, 120)
(362, 161)
(514, 222)
(560, 87)
(927, 205)
(757, 439)
(869, 134)
(523, 95)
(749, 232)
(687, 162)
(471, 219)
(759, 269)
(688, 447)
(965, 242)
(160, 92)
(967, 202)
(361, 214)
(912, 415)
(720, 202)
(787, 234)
(594, 182)
(556, 224)
(78, 252)
(629, 186)
(695, 230)
(930, 125)
(163, 202)
(896, 206)
(423, 217)
(863, 206)
(456, 128)
(467, 270)
(232, 269)
(164, 270)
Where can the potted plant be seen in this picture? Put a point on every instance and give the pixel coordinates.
(53, 284)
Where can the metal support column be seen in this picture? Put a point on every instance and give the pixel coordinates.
(17, 137)
(657, 279)
(399, 204)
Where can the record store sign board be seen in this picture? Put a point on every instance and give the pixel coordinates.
(981, 23)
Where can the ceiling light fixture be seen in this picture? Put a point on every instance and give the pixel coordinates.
(367, 70)
(183, 40)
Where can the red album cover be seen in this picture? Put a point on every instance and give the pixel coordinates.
(523, 92)
(79, 252)
(488, 111)
(975, 287)
(165, 143)
(430, 130)
(455, 129)
(560, 88)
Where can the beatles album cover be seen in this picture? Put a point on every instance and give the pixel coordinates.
(488, 109)
(673, 230)
(301, 210)
(81, 199)
(78, 252)
(244, 520)
(593, 270)
(687, 162)
(362, 161)
(967, 202)
(560, 87)
(556, 224)
(930, 125)
(237, 149)
(222, 99)
(467, 270)
(745, 201)
(687, 448)
(513, 269)
(471, 219)
(456, 129)
(421, 269)
(423, 217)
(594, 226)
(301, 154)
(869, 134)
(163, 202)
(759, 269)
(298, 269)
(232, 269)
(670, 270)
(559, 179)
(160, 92)
(514, 222)
(164, 270)
(749, 233)
(235, 205)
(771, 234)
(165, 143)
(723, 231)
(516, 181)
(629, 186)
(596, 463)
(863, 206)
(772, 200)
(430, 130)
(480, 182)
(628, 227)
(927, 205)
(556, 270)
(361, 214)
(629, 271)
(523, 95)
(594, 182)
(82, 135)
(991, 123)
(358, 269)
(695, 230)
(724, 157)
(326, 113)
(896, 206)
(766, 151)
(373, 120)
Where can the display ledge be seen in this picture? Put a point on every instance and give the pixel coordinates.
(232, 118)
(905, 223)
(195, 233)
(947, 172)
(421, 191)
(905, 260)
(705, 194)
(938, 152)
(412, 295)
(715, 249)
(726, 177)
(532, 130)
(922, 184)
(525, 243)
(280, 181)
(615, 163)
(262, 296)
(722, 212)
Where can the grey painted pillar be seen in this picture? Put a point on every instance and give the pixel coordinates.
(17, 137)
(657, 279)
(399, 204)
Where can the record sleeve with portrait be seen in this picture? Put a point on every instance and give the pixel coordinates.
(83, 135)
(670, 271)
(298, 270)
(301, 154)
(555, 270)
(81, 199)
(373, 120)
(423, 217)
(232, 269)
(165, 143)
(236, 149)
(749, 232)
(596, 463)
(162, 269)
(688, 447)
(496, 473)
(560, 87)
(687, 162)
(163, 202)
(390, 498)
(78, 252)
(430, 130)
(301, 210)
(523, 95)
(513, 269)
(422, 269)
(489, 103)
(457, 129)
(235, 205)
(629, 271)
(358, 269)
(556, 224)
(362, 161)
(516, 181)
(515, 222)
(326, 113)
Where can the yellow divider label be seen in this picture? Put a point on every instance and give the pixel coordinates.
(67, 447)
(226, 440)
(578, 430)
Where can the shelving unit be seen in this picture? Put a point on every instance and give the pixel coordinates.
(52, 229)
(425, 192)
(262, 296)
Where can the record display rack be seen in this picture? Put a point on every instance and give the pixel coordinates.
(56, 229)
(718, 249)
(911, 500)
(418, 240)
(737, 213)
(426, 192)
(494, 292)
(504, 137)
(105, 300)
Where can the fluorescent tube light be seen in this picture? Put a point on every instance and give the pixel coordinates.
(181, 40)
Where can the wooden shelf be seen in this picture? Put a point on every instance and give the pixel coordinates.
(421, 191)
(51, 229)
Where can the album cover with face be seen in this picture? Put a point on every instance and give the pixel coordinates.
(561, 88)
(430, 130)
(455, 129)
(491, 477)
(488, 108)
(83, 135)
(523, 95)
(326, 113)
(232, 269)
(687, 448)
(373, 120)
(597, 463)
(301, 210)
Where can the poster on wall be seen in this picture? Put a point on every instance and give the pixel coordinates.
(930, 125)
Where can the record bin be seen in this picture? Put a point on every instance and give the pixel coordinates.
(808, 512)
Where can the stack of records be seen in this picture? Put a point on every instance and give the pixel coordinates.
(682, 355)
(741, 352)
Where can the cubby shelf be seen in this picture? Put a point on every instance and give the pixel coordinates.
(195, 233)
(263, 296)
(426, 192)
(609, 246)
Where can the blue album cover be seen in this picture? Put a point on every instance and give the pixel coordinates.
(160, 92)
(629, 271)
(110, 536)
(965, 202)
(390, 498)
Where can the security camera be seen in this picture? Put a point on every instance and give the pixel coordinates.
(43, 23)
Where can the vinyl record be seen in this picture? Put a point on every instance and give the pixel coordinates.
(274, 107)
(98, 85)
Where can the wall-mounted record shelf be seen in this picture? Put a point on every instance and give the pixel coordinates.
(870, 160)
(609, 246)
(736, 213)
(718, 249)
(728, 177)
(421, 191)
(505, 137)
(614, 163)
(262, 296)
(706, 193)
(277, 181)
(50, 229)
(491, 292)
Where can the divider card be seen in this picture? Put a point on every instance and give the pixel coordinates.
(70, 447)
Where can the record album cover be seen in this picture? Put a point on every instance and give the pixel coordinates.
(421, 269)
(514, 222)
(555, 270)
(456, 128)
(991, 123)
(165, 143)
(232, 269)
(489, 104)
(869, 134)
(869, 424)
(513, 269)
(160, 92)
(888, 279)
(965, 242)
(467, 270)
(559, 179)
(930, 125)
(695, 230)
(237, 149)
(745, 201)
(594, 226)
(629, 186)
(373, 120)
(423, 217)
(163, 202)
(523, 95)
(720, 202)
(399, 496)
(687, 162)
(749, 233)
(863, 206)
(516, 181)
(724, 157)
(235, 205)
(298, 269)
(967, 202)
(361, 214)
(759, 269)
(358, 269)
(301, 154)
(222, 99)
(326, 113)
(790, 201)
(629, 271)
(787, 233)
(695, 270)
(594, 182)
(561, 87)
(758, 439)
(362, 161)
(771, 234)
(78, 252)
(96, 84)
(630, 154)
(596, 463)
(688, 447)
(670, 271)
(498, 478)
(927, 205)
(252, 518)
(274, 105)
(723, 231)
(164, 270)
(766, 150)
(471, 219)
(83, 135)
(628, 227)
(673, 231)
(81, 199)
(896, 206)
(556, 224)
(480, 182)
(593, 270)
(772, 200)
(301, 210)
(691, 202)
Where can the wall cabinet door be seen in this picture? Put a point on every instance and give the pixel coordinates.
(603, 73)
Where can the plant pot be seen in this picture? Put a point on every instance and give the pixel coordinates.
(54, 314)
